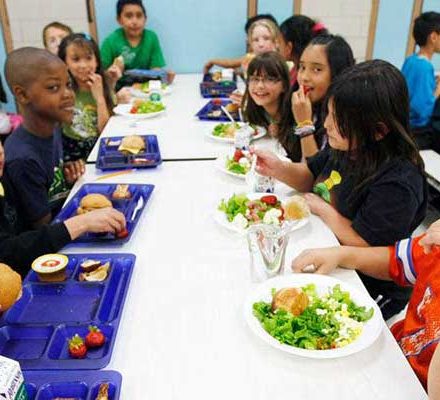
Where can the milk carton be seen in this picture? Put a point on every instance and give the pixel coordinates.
(11, 380)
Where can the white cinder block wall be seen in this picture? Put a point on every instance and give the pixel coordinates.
(349, 18)
(27, 18)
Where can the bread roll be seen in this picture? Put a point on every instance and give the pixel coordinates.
(93, 201)
(292, 300)
(132, 144)
(10, 287)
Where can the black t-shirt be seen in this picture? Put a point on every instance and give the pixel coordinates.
(18, 249)
(387, 209)
(34, 175)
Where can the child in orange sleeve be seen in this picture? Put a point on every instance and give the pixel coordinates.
(411, 262)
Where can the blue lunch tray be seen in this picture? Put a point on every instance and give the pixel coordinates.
(109, 157)
(210, 88)
(126, 206)
(81, 385)
(147, 74)
(214, 105)
(35, 331)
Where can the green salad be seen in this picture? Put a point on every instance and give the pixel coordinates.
(329, 321)
(226, 130)
(146, 107)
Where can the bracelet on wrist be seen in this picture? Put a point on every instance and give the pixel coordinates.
(305, 131)
(306, 122)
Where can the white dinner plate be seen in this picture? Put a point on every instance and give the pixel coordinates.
(262, 292)
(221, 219)
(142, 95)
(124, 110)
(220, 164)
(261, 131)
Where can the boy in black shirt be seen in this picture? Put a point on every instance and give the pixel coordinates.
(35, 175)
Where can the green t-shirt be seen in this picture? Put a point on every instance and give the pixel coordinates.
(85, 118)
(146, 55)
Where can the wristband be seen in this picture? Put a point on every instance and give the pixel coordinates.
(306, 122)
(305, 131)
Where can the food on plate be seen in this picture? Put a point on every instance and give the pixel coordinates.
(10, 290)
(93, 201)
(232, 107)
(228, 130)
(302, 318)
(90, 265)
(293, 300)
(296, 207)
(215, 113)
(145, 87)
(132, 144)
(77, 347)
(240, 163)
(95, 338)
(121, 192)
(50, 267)
(97, 274)
(103, 392)
(243, 212)
(142, 161)
(146, 107)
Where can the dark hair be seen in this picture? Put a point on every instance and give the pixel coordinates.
(371, 99)
(271, 64)
(57, 25)
(338, 51)
(424, 25)
(3, 98)
(85, 41)
(121, 3)
(257, 17)
(300, 30)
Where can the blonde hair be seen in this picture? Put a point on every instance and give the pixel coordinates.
(269, 25)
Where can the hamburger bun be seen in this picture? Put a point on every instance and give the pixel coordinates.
(292, 300)
(132, 144)
(93, 201)
(10, 287)
(296, 208)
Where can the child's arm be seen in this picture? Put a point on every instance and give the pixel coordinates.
(96, 86)
(434, 376)
(223, 62)
(372, 261)
(339, 225)
(296, 175)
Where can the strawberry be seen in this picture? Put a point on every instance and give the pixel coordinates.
(237, 155)
(217, 102)
(122, 234)
(77, 348)
(133, 110)
(95, 338)
(270, 200)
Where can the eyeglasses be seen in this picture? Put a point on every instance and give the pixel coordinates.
(266, 81)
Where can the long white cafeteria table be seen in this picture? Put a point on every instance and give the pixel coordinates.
(181, 135)
(183, 334)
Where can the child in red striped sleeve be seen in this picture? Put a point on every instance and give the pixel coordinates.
(411, 262)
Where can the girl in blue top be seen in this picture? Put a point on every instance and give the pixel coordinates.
(93, 104)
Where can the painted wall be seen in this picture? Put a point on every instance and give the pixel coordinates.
(10, 106)
(183, 27)
(280, 9)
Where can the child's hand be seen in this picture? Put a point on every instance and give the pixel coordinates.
(123, 96)
(104, 220)
(318, 206)
(73, 170)
(114, 73)
(95, 85)
(321, 261)
(432, 237)
(207, 67)
(236, 96)
(301, 105)
(268, 163)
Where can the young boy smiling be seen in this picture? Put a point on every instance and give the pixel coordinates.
(139, 47)
(34, 173)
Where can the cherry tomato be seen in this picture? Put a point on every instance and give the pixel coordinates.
(270, 200)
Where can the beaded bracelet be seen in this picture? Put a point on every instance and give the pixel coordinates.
(305, 131)
(306, 122)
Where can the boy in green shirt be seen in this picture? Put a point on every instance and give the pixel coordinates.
(132, 46)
